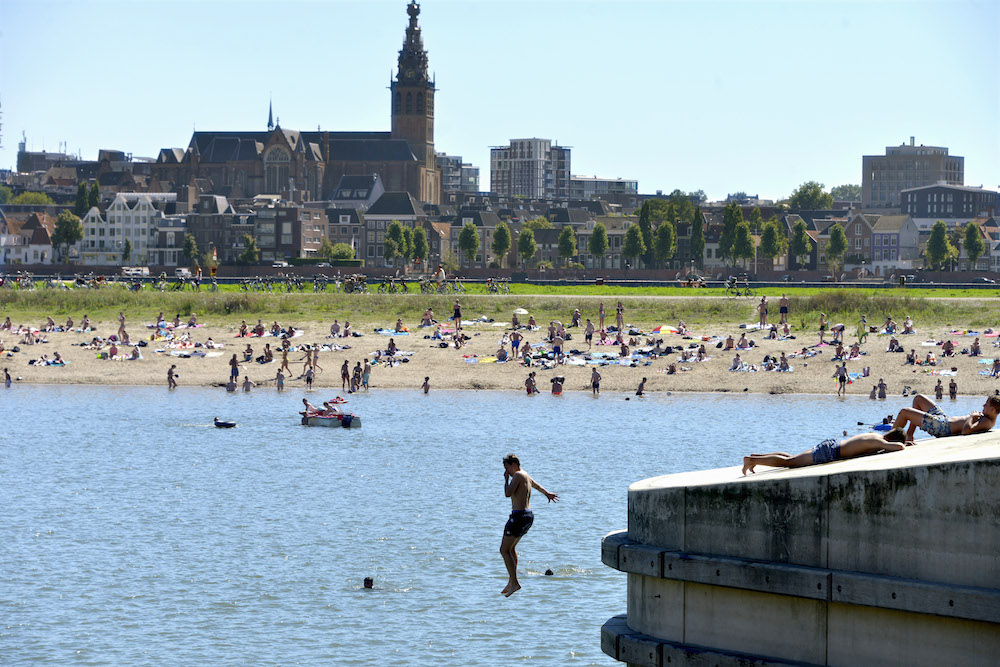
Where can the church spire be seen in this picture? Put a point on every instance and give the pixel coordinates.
(412, 57)
(270, 115)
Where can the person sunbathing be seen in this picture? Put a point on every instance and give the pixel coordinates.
(743, 343)
(701, 353)
(931, 360)
(907, 325)
(783, 363)
(927, 416)
(737, 363)
(911, 358)
(831, 450)
(399, 326)
(948, 349)
(730, 343)
(894, 345)
(855, 351)
(974, 350)
(502, 354)
(243, 329)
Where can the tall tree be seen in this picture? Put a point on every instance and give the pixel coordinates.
(939, 249)
(956, 236)
(95, 196)
(835, 248)
(645, 226)
(468, 241)
(398, 247)
(732, 215)
(567, 243)
(698, 237)
(126, 251)
(800, 244)
(250, 254)
(325, 249)
(974, 246)
(407, 243)
(810, 197)
(80, 208)
(5, 194)
(634, 246)
(68, 230)
(526, 246)
(32, 199)
(190, 248)
(598, 243)
(846, 192)
(756, 220)
(773, 242)
(664, 242)
(501, 242)
(743, 246)
(420, 246)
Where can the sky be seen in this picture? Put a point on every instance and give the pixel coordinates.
(718, 96)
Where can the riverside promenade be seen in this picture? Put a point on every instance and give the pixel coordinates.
(887, 559)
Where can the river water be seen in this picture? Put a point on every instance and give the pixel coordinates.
(136, 533)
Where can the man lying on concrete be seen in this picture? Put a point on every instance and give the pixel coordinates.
(831, 450)
(926, 415)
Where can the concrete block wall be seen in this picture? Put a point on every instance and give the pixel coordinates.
(890, 559)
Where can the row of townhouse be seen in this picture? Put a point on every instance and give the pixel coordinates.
(26, 238)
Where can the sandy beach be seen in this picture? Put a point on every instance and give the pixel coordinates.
(451, 369)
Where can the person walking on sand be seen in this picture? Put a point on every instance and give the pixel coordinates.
(517, 485)
(588, 334)
(310, 374)
(600, 316)
(841, 375)
(345, 374)
(822, 326)
(315, 359)
(595, 382)
(762, 309)
(426, 386)
(172, 378)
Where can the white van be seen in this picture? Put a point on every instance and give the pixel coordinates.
(182, 272)
(135, 271)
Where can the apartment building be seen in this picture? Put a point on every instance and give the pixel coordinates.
(533, 168)
(884, 177)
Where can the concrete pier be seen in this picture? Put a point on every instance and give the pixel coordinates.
(887, 559)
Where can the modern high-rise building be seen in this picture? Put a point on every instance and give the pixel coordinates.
(456, 175)
(591, 187)
(902, 167)
(533, 168)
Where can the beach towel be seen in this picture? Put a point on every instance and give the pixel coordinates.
(392, 332)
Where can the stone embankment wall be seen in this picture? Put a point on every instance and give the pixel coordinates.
(888, 559)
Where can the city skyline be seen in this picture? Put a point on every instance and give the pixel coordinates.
(778, 93)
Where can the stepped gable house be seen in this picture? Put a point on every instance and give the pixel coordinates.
(245, 164)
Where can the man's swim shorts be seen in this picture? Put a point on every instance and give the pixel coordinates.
(518, 523)
(936, 423)
(826, 451)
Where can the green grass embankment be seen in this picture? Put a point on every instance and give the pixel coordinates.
(839, 305)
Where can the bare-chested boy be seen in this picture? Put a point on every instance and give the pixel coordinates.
(926, 415)
(517, 485)
(830, 450)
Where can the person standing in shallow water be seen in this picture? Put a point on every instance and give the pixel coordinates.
(517, 485)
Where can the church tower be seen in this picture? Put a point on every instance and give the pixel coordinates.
(412, 94)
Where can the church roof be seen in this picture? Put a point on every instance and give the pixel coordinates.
(393, 150)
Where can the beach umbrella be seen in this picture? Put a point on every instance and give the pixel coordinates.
(520, 311)
(665, 328)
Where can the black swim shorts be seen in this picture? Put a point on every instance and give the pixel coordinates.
(518, 523)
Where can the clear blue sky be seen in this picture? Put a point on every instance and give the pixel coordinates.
(719, 96)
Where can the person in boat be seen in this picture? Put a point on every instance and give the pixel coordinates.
(310, 409)
(330, 410)
(517, 485)
(831, 450)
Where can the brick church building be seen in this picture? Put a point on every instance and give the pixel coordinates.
(245, 164)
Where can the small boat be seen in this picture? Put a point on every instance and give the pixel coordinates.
(223, 423)
(343, 421)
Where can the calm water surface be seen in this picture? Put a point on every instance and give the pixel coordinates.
(136, 533)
